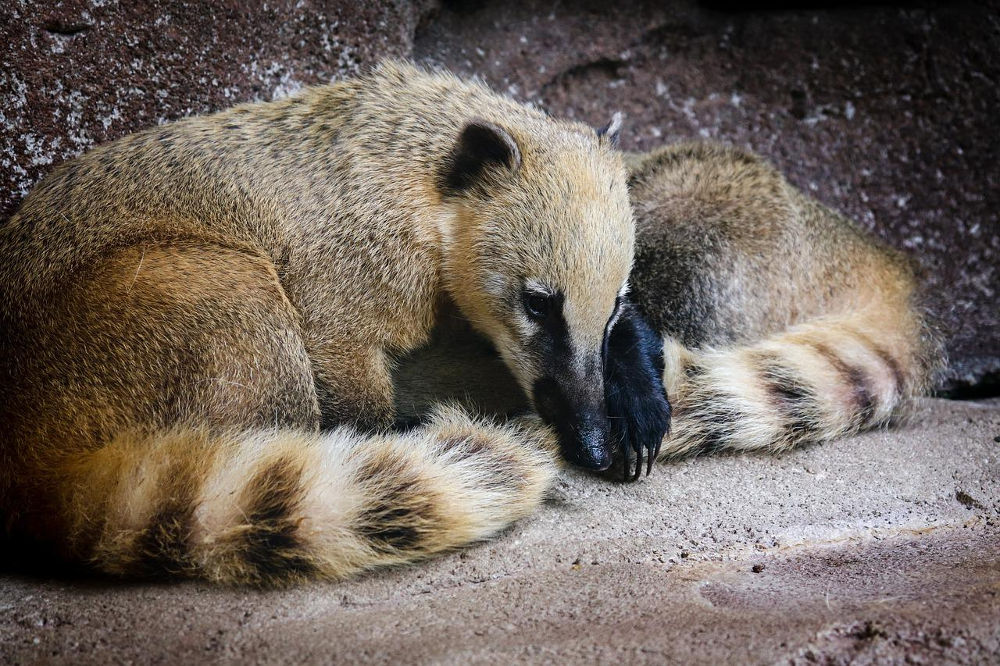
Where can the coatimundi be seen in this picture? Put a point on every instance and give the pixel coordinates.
(212, 326)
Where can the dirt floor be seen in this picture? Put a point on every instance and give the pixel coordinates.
(881, 548)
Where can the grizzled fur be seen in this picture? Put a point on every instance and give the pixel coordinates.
(784, 323)
(210, 326)
(185, 310)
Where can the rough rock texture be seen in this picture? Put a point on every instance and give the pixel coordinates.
(876, 549)
(885, 113)
(75, 73)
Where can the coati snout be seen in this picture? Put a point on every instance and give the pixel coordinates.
(569, 391)
(580, 417)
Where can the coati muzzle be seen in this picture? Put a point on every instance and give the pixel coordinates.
(575, 407)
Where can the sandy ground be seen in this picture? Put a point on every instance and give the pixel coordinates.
(884, 547)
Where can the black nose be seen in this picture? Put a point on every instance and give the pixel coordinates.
(593, 457)
(582, 424)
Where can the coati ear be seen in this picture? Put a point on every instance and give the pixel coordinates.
(612, 129)
(480, 146)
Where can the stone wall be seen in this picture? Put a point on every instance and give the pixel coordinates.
(885, 113)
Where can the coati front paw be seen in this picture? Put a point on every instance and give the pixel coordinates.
(637, 403)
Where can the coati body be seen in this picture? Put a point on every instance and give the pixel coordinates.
(193, 308)
(193, 313)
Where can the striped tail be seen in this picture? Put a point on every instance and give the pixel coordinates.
(271, 508)
(821, 380)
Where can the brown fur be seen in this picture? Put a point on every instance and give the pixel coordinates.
(785, 323)
(188, 306)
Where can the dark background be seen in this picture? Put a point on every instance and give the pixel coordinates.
(885, 112)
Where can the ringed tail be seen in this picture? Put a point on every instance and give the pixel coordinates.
(820, 380)
(276, 507)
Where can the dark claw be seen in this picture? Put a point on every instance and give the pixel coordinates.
(655, 455)
(638, 464)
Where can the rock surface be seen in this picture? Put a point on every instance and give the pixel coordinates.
(876, 549)
(885, 113)
(75, 73)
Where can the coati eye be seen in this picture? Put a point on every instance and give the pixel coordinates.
(537, 305)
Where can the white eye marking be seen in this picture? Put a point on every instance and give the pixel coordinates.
(526, 325)
(538, 287)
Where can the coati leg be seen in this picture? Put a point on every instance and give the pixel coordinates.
(166, 421)
(637, 403)
(353, 383)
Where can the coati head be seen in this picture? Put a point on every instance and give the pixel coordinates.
(537, 256)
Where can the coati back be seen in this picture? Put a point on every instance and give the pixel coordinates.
(784, 323)
(188, 307)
